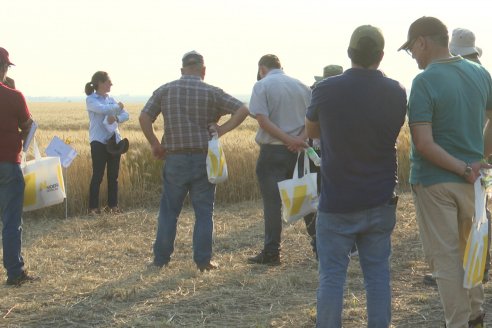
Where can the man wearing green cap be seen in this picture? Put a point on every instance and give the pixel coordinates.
(330, 70)
(359, 175)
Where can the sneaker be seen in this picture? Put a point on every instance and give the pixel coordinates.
(429, 280)
(478, 322)
(207, 267)
(21, 279)
(265, 258)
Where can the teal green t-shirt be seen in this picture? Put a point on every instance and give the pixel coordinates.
(452, 95)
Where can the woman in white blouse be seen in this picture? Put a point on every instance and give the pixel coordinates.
(104, 112)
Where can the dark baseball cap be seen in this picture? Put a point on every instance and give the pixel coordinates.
(424, 26)
(4, 56)
(192, 58)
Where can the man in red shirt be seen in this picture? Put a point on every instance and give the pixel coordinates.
(15, 123)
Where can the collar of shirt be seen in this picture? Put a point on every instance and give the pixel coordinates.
(191, 77)
(276, 71)
(98, 96)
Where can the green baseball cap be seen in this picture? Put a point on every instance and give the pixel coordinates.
(367, 32)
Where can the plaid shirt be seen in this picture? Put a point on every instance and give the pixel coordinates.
(188, 106)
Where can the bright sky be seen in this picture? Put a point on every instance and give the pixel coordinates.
(58, 44)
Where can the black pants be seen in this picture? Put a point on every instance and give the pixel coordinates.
(310, 219)
(101, 158)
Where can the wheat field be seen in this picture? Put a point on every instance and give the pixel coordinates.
(139, 180)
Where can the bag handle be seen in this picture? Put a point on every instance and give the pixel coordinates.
(295, 175)
(307, 167)
(37, 153)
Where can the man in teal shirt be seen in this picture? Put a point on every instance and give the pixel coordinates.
(446, 114)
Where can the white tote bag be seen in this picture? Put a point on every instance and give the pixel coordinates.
(299, 195)
(216, 162)
(476, 246)
(44, 181)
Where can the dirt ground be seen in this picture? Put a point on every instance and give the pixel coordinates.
(94, 274)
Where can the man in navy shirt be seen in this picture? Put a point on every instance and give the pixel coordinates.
(358, 116)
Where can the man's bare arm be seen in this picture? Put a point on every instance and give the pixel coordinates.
(146, 125)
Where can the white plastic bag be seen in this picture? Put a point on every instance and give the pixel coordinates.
(44, 181)
(216, 162)
(299, 195)
(476, 246)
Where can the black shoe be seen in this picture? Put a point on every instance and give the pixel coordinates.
(485, 276)
(429, 280)
(477, 323)
(21, 279)
(265, 258)
(207, 267)
(154, 266)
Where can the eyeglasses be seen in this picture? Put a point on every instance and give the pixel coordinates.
(410, 46)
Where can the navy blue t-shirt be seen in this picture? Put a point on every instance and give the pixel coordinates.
(360, 114)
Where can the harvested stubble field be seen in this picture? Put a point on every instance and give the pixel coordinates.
(94, 274)
(94, 271)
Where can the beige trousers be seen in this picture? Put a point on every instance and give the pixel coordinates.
(444, 216)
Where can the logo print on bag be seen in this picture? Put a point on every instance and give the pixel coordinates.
(298, 199)
(44, 186)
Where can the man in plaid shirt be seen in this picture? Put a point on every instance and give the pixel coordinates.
(191, 108)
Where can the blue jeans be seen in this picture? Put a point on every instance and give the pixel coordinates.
(100, 159)
(336, 235)
(11, 203)
(275, 163)
(183, 174)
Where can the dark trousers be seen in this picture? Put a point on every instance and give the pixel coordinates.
(310, 219)
(100, 159)
(276, 163)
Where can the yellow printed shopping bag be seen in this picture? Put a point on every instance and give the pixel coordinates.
(216, 162)
(44, 185)
(476, 246)
(299, 195)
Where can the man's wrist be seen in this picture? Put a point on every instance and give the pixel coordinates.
(468, 170)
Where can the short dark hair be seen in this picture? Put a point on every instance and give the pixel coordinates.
(270, 61)
(192, 58)
(439, 39)
(367, 54)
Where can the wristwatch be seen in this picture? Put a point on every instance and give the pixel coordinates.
(468, 171)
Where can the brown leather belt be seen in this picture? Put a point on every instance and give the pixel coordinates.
(187, 151)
